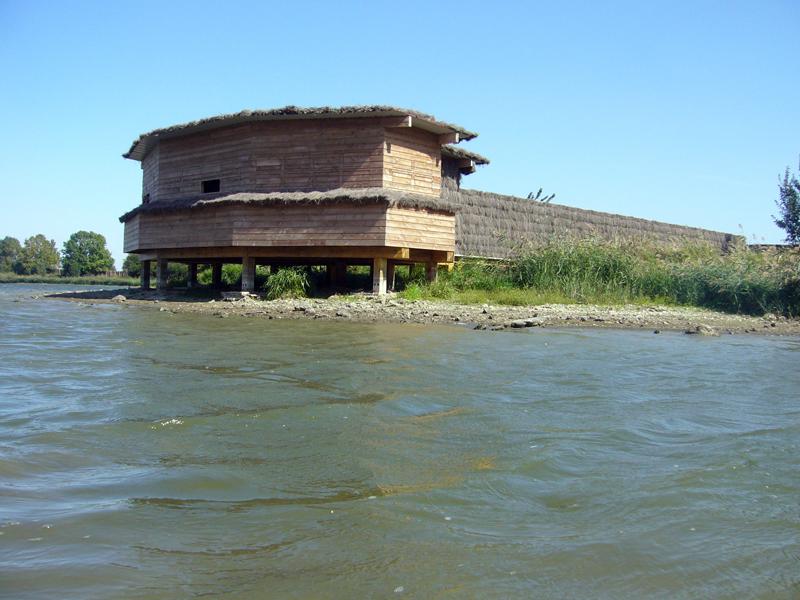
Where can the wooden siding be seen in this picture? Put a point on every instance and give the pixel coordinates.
(131, 236)
(150, 175)
(409, 228)
(339, 225)
(286, 226)
(411, 161)
(273, 157)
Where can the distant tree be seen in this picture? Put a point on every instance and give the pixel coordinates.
(132, 265)
(789, 206)
(539, 198)
(38, 256)
(10, 249)
(85, 253)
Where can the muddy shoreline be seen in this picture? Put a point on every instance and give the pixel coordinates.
(365, 308)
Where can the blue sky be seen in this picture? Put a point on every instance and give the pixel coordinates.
(684, 112)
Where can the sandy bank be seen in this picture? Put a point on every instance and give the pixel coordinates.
(390, 309)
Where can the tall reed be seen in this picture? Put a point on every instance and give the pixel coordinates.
(597, 271)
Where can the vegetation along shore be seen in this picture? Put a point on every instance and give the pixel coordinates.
(564, 283)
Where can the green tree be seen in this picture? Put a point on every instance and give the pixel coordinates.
(132, 265)
(10, 249)
(789, 205)
(39, 256)
(85, 253)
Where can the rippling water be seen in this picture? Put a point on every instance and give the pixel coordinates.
(151, 455)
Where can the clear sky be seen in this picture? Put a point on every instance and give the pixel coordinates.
(684, 112)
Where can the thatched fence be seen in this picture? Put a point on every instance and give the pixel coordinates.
(493, 225)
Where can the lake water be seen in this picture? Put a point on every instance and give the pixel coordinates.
(151, 455)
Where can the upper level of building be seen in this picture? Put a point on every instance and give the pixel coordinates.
(301, 150)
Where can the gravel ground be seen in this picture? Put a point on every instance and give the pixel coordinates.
(365, 308)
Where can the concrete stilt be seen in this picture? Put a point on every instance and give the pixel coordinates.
(379, 276)
(162, 272)
(144, 275)
(248, 274)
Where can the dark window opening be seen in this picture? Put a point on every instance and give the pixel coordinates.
(210, 185)
(146, 199)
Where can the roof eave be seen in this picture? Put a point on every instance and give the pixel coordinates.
(143, 144)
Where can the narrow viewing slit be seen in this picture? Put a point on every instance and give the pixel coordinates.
(210, 185)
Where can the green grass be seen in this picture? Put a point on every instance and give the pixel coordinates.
(615, 273)
(287, 283)
(57, 279)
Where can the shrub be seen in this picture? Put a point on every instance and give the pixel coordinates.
(178, 275)
(287, 283)
(232, 275)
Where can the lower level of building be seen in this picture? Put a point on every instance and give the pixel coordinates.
(381, 261)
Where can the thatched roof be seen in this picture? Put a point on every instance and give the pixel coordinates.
(456, 152)
(145, 142)
(337, 196)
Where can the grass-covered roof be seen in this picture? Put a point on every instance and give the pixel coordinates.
(338, 196)
(144, 142)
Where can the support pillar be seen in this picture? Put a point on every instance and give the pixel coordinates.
(248, 274)
(216, 275)
(390, 275)
(162, 272)
(191, 278)
(329, 275)
(379, 276)
(144, 275)
(339, 274)
(431, 271)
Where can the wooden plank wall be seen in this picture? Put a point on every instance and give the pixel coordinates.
(419, 229)
(131, 237)
(339, 225)
(317, 155)
(272, 156)
(412, 160)
(150, 174)
(254, 226)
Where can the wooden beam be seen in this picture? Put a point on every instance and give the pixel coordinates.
(437, 256)
(390, 275)
(406, 121)
(339, 275)
(162, 272)
(144, 275)
(178, 254)
(466, 166)
(216, 275)
(431, 271)
(449, 138)
(248, 274)
(191, 280)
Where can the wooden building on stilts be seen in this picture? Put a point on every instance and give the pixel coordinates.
(291, 186)
(361, 185)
